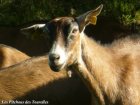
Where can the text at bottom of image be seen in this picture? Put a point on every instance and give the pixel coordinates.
(43, 102)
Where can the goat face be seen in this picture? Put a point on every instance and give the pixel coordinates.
(64, 34)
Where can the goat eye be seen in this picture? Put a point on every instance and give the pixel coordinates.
(74, 31)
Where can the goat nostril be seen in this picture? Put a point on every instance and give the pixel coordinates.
(54, 56)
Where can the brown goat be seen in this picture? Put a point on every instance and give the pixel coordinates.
(10, 56)
(112, 74)
(32, 80)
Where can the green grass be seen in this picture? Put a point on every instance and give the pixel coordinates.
(137, 17)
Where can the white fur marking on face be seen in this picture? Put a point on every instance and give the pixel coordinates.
(57, 49)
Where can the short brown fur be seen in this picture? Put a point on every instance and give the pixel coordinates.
(10, 56)
(33, 80)
(116, 70)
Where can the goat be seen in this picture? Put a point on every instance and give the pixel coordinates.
(33, 80)
(112, 74)
(10, 56)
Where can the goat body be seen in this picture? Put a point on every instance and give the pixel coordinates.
(33, 80)
(116, 70)
(10, 56)
(111, 73)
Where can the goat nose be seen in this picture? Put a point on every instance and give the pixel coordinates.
(54, 56)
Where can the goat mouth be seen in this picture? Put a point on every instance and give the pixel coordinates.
(55, 68)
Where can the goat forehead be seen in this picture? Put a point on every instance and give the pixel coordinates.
(62, 25)
(61, 22)
(63, 19)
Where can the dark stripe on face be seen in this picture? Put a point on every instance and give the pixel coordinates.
(59, 29)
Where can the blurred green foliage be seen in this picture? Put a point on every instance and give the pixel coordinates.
(16, 12)
(123, 10)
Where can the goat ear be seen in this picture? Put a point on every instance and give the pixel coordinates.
(89, 17)
(34, 29)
